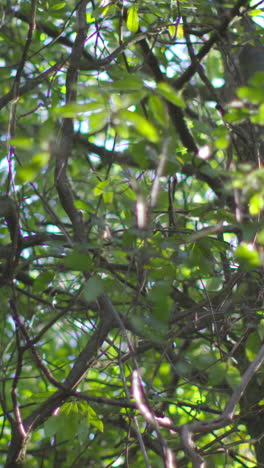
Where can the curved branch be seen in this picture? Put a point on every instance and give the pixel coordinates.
(63, 150)
(176, 113)
(192, 69)
(8, 210)
(188, 430)
(31, 83)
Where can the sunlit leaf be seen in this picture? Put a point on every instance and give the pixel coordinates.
(98, 120)
(259, 117)
(57, 6)
(256, 204)
(254, 95)
(159, 110)
(40, 159)
(255, 12)
(252, 345)
(247, 256)
(100, 187)
(143, 126)
(167, 92)
(180, 31)
(132, 19)
(21, 142)
(257, 79)
(108, 197)
(260, 237)
(81, 205)
(27, 173)
(93, 419)
(172, 28)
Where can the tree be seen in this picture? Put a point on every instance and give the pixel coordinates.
(131, 234)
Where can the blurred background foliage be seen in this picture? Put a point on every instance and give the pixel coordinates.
(131, 167)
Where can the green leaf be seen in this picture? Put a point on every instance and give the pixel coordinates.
(169, 93)
(254, 95)
(78, 111)
(201, 256)
(142, 125)
(26, 174)
(233, 377)
(30, 171)
(69, 110)
(252, 345)
(100, 187)
(214, 65)
(255, 12)
(256, 204)
(257, 79)
(172, 28)
(81, 205)
(236, 115)
(160, 296)
(259, 117)
(40, 159)
(43, 280)
(216, 373)
(247, 256)
(98, 120)
(51, 426)
(159, 110)
(180, 31)
(108, 197)
(131, 83)
(93, 288)
(58, 6)
(260, 237)
(222, 143)
(22, 142)
(83, 431)
(70, 407)
(132, 19)
(222, 138)
(93, 419)
(130, 193)
(78, 261)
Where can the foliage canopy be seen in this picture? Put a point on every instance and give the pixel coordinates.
(131, 236)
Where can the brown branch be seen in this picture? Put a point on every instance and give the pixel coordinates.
(32, 24)
(8, 210)
(15, 90)
(17, 425)
(53, 32)
(31, 83)
(212, 93)
(205, 49)
(31, 346)
(20, 435)
(119, 402)
(85, 360)
(63, 150)
(149, 416)
(188, 430)
(192, 170)
(175, 112)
